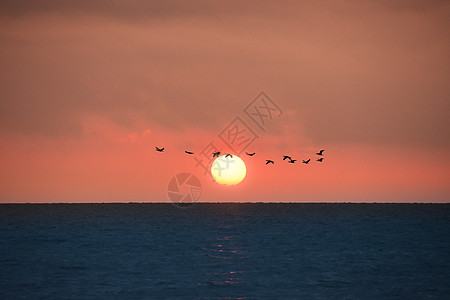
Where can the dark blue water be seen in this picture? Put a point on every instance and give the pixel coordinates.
(225, 251)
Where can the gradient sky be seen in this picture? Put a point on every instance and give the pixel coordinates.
(88, 88)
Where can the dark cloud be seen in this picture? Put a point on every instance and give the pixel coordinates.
(114, 8)
(354, 72)
(418, 6)
(138, 10)
(152, 8)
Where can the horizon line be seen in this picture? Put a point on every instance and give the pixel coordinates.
(234, 202)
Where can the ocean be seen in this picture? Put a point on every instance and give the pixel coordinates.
(225, 251)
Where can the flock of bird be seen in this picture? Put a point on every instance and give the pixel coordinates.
(290, 160)
(268, 161)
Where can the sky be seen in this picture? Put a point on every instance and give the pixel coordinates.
(89, 88)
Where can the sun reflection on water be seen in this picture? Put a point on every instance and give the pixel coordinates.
(227, 261)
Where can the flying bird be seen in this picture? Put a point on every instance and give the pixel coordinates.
(216, 154)
(228, 155)
(159, 149)
(286, 156)
(188, 152)
(250, 154)
(320, 159)
(306, 161)
(268, 161)
(320, 152)
(292, 161)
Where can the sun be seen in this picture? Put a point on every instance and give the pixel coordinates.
(228, 170)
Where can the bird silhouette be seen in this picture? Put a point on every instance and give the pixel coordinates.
(228, 155)
(320, 159)
(291, 161)
(188, 152)
(286, 156)
(159, 149)
(216, 154)
(268, 161)
(320, 152)
(306, 161)
(250, 154)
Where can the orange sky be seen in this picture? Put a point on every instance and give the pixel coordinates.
(88, 89)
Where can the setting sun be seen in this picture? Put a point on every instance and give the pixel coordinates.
(229, 170)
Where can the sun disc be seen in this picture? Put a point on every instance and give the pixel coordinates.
(228, 170)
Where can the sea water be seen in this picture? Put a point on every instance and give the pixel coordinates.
(225, 251)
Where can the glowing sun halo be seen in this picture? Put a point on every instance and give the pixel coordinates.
(228, 170)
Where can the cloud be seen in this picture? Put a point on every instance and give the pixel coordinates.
(354, 72)
(146, 132)
(112, 8)
(137, 10)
